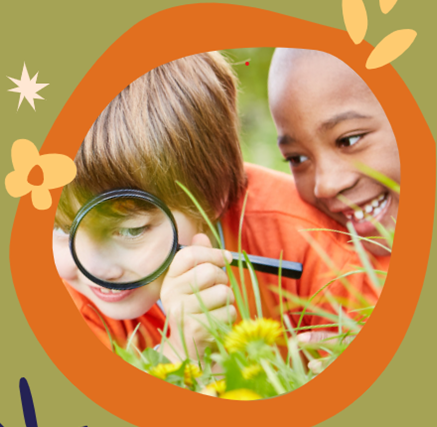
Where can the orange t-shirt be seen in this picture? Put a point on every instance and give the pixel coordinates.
(274, 215)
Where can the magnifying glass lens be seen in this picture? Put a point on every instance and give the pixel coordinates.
(124, 240)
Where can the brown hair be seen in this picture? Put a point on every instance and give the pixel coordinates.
(177, 122)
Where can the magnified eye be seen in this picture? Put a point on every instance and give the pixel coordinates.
(61, 231)
(132, 233)
(296, 160)
(349, 141)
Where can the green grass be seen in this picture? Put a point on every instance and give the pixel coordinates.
(272, 373)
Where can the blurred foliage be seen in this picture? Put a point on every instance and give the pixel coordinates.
(258, 133)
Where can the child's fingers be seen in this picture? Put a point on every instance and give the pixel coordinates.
(212, 298)
(201, 240)
(314, 337)
(191, 256)
(223, 314)
(201, 277)
(323, 337)
(316, 366)
(196, 326)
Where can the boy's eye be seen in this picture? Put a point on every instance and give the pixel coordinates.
(131, 233)
(349, 141)
(296, 160)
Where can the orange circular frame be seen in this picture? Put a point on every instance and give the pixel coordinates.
(138, 398)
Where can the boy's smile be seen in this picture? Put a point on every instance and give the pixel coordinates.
(329, 122)
(110, 295)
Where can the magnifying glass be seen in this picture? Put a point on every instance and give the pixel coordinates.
(124, 239)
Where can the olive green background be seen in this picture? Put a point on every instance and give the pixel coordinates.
(62, 41)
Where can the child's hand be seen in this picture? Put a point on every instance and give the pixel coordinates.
(196, 268)
(326, 339)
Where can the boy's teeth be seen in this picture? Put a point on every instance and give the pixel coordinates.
(109, 291)
(359, 215)
(373, 208)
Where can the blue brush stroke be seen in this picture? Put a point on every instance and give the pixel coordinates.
(27, 403)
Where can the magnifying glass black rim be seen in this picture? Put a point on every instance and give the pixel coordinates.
(126, 194)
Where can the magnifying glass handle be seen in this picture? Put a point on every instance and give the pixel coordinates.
(290, 269)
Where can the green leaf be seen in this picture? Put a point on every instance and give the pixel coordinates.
(235, 380)
(153, 358)
(128, 356)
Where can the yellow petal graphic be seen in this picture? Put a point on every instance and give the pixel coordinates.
(16, 184)
(390, 48)
(355, 19)
(24, 155)
(58, 170)
(41, 198)
(241, 394)
(387, 5)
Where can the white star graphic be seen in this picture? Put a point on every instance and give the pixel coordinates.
(27, 88)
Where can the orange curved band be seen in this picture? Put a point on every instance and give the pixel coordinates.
(139, 398)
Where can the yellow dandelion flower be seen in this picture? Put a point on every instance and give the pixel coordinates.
(215, 389)
(37, 174)
(241, 394)
(163, 369)
(247, 331)
(191, 371)
(208, 392)
(251, 371)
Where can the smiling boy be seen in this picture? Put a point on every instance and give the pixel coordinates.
(328, 121)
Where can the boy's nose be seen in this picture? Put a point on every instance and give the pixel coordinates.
(100, 265)
(333, 178)
(105, 271)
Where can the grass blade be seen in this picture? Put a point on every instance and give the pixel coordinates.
(271, 375)
(255, 286)
(365, 239)
(323, 288)
(106, 328)
(132, 336)
(363, 257)
(240, 258)
(378, 176)
(202, 212)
